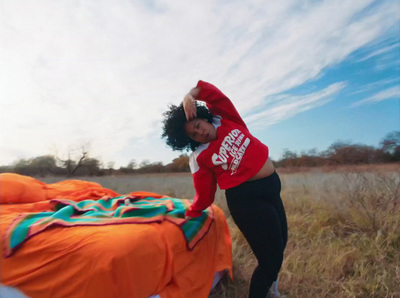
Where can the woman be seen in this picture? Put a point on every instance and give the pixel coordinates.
(226, 153)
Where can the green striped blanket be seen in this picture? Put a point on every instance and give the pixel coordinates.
(118, 210)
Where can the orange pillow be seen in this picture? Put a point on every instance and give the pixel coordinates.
(68, 187)
(15, 189)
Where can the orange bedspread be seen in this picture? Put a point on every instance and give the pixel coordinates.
(132, 260)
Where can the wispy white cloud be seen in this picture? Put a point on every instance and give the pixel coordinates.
(390, 60)
(373, 86)
(390, 93)
(381, 51)
(286, 106)
(104, 72)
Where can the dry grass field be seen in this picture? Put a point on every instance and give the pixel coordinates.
(344, 230)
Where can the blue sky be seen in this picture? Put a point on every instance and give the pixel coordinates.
(363, 111)
(303, 74)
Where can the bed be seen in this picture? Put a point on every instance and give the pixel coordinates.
(129, 259)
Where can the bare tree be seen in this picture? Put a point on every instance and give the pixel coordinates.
(391, 146)
(75, 159)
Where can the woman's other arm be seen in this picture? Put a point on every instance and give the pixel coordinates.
(218, 103)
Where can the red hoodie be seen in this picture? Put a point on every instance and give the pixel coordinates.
(233, 158)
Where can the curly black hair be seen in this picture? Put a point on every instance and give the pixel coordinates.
(174, 126)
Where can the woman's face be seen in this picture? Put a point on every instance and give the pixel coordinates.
(200, 130)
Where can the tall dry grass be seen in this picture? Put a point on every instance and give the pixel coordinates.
(344, 237)
(344, 231)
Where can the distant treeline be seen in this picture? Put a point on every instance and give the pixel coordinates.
(339, 153)
(87, 166)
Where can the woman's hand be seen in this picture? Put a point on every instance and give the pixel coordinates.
(188, 217)
(189, 106)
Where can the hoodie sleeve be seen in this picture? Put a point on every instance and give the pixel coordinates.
(218, 103)
(205, 185)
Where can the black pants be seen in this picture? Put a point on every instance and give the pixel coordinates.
(257, 209)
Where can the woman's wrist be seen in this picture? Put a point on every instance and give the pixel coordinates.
(189, 106)
(189, 99)
(194, 92)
